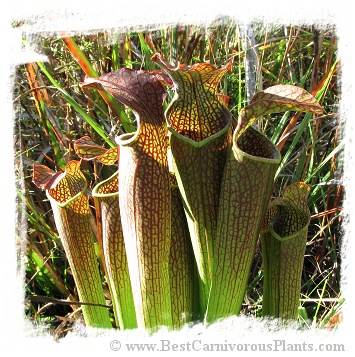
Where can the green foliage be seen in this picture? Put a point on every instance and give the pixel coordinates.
(311, 151)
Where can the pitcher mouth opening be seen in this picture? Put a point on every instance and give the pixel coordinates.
(256, 146)
(126, 139)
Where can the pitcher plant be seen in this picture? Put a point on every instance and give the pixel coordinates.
(179, 221)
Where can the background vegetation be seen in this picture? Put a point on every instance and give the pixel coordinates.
(52, 111)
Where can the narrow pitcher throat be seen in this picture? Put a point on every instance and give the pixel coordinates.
(70, 197)
(255, 146)
(281, 233)
(107, 188)
(149, 139)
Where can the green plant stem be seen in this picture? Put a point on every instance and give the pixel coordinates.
(110, 228)
(198, 145)
(181, 263)
(144, 192)
(283, 239)
(245, 191)
(72, 218)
